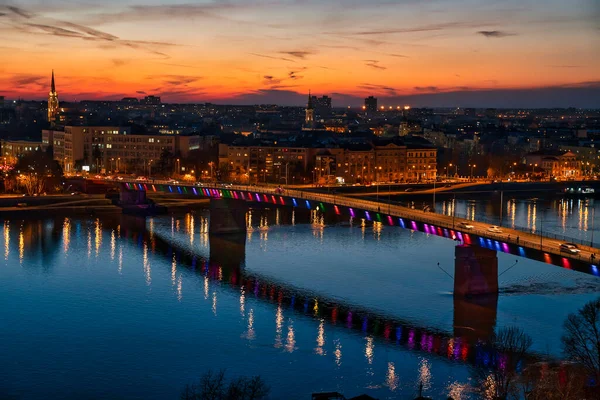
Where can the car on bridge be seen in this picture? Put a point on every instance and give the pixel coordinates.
(494, 229)
(569, 248)
(465, 225)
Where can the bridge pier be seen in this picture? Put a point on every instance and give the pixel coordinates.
(475, 271)
(132, 197)
(227, 216)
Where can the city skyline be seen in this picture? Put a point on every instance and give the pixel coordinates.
(437, 53)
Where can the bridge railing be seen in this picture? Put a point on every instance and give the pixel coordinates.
(439, 220)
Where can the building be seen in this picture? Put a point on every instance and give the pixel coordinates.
(111, 148)
(151, 101)
(421, 163)
(11, 150)
(309, 120)
(557, 164)
(385, 161)
(370, 104)
(322, 107)
(52, 102)
(264, 163)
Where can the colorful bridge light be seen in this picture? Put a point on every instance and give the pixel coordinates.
(337, 210)
(282, 200)
(566, 263)
(307, 204)
(414, 226)
(367, 215)
(467, 238)
(170, 189)
(594, 270)
(153, 188)
(351, 212)
(294, 202)
(402, 224)
(390, 220)
(274, 199)
(257, 197)
(266, 198)
(179, 189)
(194, 190)
(322, 207)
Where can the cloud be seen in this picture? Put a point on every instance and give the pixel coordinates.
(176, 80)
(297, 54)
(426, 88)
(374, 64)
(118, 62)
(271, 57)
(19, 11)
(33, 25)
(140, 92)
(424, 28)
(271, 80)
(495, 34)
(55, 30)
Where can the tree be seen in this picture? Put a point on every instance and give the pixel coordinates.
(509, 348)
(550, 381)
(36, 172)
(581, 340)
(212, 386)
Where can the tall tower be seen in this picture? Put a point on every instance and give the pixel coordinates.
(52, 102)
(310, 113)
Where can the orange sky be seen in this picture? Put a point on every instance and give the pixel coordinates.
(213, 50)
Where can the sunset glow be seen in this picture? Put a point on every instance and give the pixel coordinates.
(252, 51)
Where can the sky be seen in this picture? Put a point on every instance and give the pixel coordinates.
(485, 53)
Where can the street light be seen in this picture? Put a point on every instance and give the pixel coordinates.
(456, 167)
(472, 166)
(149, 168)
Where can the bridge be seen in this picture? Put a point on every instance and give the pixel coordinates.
(476, 262)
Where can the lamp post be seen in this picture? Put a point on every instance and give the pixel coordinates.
(472, 166)
(178, 167)
(456, 168)
(149, 168)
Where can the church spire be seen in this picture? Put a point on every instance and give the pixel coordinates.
(52, 102)
(310, 104)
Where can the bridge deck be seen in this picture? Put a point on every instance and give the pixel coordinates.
(389, 213)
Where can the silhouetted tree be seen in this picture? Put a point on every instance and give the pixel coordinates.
(544, 381)
(581, 340)
(36, 172)
(509, 347)
(213, 386)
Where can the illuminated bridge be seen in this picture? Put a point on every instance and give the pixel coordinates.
(476, 263)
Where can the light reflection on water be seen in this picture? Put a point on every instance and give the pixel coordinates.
(223, 320)
(570, 217)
